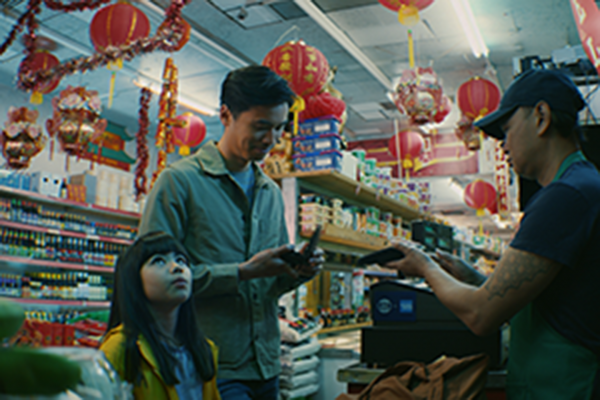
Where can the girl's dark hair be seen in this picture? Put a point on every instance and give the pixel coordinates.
(255, 85)
(130, 308)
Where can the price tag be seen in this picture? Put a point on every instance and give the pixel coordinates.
(93, 237)
(54, 231)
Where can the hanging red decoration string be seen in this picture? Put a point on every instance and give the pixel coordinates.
(167, 109)
(168, 39)
(143, 155)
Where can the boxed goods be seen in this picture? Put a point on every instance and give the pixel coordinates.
(317, 143)
(46, 183)
(331, 159)
(319, 126)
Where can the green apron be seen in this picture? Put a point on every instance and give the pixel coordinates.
(542, 364)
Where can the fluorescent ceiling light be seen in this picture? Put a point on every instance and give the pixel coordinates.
(467, 21)
(343, 40)
(181, 100)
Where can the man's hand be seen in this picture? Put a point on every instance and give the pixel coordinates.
(459, 268)
(314, 265)
(267, 263)
(414, 263)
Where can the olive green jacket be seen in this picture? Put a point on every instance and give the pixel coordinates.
(197, 201)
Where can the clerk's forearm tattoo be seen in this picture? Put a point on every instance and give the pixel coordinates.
(515, 272)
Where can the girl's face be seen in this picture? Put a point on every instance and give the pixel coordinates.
(166, 279)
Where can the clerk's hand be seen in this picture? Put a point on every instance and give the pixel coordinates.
(414, 263)
(459, 268)
(314, 265)
(267, 263)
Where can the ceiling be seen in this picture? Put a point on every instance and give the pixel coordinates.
(222, 41)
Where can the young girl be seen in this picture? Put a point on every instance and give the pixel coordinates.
(154, 341)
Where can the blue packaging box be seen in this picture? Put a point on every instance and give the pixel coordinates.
(319, 126)
(331, 159)
(317, 143)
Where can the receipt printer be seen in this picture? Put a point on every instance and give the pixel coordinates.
(411, 324)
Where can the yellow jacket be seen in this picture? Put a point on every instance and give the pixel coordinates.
(152, 386)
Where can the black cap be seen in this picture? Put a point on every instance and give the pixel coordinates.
(529, 88)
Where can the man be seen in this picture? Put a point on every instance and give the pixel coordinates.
(230, 217)
(546, 280)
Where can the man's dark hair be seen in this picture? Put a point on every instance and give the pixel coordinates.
(252, 86)
(130, 307)
(566, 124)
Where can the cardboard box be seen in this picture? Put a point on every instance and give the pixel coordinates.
(89, 181)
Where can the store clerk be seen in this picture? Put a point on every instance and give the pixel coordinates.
(230, 217)
(546, 282)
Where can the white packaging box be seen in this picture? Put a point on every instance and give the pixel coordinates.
(349, 165)
(46, 183)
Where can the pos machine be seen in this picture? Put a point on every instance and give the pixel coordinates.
(411, 324)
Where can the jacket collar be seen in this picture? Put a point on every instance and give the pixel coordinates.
(143, 346)
(211, 161)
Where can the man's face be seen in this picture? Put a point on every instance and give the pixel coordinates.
(255, 131)
(519, 142)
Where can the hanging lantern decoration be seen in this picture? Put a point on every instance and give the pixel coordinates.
(408, 10)
(21, 138)
(480, 195)
(406, 147)
(419, 95)
(478, 97)
(75, 120)
(116, 26)
(321, 105)
(305, 69)
(191, 134)
(39, 61)
(186, 30)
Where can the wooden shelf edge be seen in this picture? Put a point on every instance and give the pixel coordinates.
(113, 212)
(54, 264)
(337, 240)
(66, 303)
(344, 328)
(63, 232)
(361, 192)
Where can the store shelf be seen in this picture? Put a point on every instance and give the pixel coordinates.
(74, 205)
(344, 328)
(54, 264)
(349, 238)
(334, 184)
(62, 232)
(63, 303)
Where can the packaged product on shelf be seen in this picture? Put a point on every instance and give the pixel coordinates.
(319, 126)
(317, 143)
(330, 159)
(46, 183)
(89, 181)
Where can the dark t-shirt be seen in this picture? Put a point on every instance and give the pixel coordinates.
(562, 223)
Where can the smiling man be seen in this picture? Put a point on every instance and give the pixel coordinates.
(230, 217)
(546, 282)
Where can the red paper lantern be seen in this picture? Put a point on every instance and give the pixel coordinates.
(118, 25)
(410, 144)
(323, 104)
(191, 134)
(185, 36)
(408, 10)
(42, 60)
(395, 5)
(480, 195)
(303, 66)
(478, 97)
